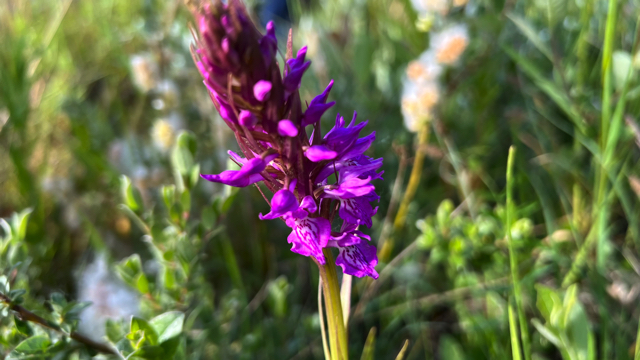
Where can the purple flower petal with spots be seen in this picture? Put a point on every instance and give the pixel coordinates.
(309, 236)
(356, 209)
(362, 165)
(348, 235)
(261, 89)
(351, 188)
(358, 260)
(287, 128)
(318, 153)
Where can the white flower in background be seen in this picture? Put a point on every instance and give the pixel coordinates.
(418, 101)
(165, 131)
(144, 72)
(425, 69)
(168, 95)
(449, 43)
(424, 7)
(110, 299)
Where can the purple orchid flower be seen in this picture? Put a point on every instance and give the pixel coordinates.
(317, 107)
(247, 175)
(262, 106)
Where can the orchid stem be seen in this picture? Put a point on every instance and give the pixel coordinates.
(333, 306)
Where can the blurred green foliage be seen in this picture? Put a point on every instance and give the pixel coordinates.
(105, 127)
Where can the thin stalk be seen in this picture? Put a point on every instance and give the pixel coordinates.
(325, 347)
(26, 315)
(636, 356)
(513, 331)
(335, 321)
(600, 210)
(515, 279)
(412, 186)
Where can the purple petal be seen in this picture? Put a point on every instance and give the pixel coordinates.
(225, 110)
(318, 153)
(282, 203)
(356, 209)
(246, 118)
(309, 204)
(317, 107)
(309, 236)
(358, 147)
(287, 128)
(261, 89)
(361, 166)
(297, 67)
(269, 44)
(247, 175)
(358, 260)
(225, 44)
(237, 158)
(231, 178)
(351, 188)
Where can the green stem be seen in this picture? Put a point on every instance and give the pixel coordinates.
(335, 321)
(637, 354)
(412, 186)
(515, 279)
(513, 332)
(600, 211)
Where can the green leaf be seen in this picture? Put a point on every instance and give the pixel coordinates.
(369, 345)
(154, 352)
(187, 141)
(23, 326)
(170, 346)
(139, 324)
(114, 331)
(169, 195)
(530, 33)
(168, 325)
(20, 221)
(129, 268)
(547, 301)
(16, 294)
(550, 88)
(182, 160)
(403, 351)
(548, 333)
(450, 349)
(31, 346)
(553, 10)
(130, 195)
(58, 302)
(142, 284)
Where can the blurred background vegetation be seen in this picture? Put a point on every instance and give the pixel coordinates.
(105, 126)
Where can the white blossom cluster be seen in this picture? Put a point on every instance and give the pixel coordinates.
(421, 87)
